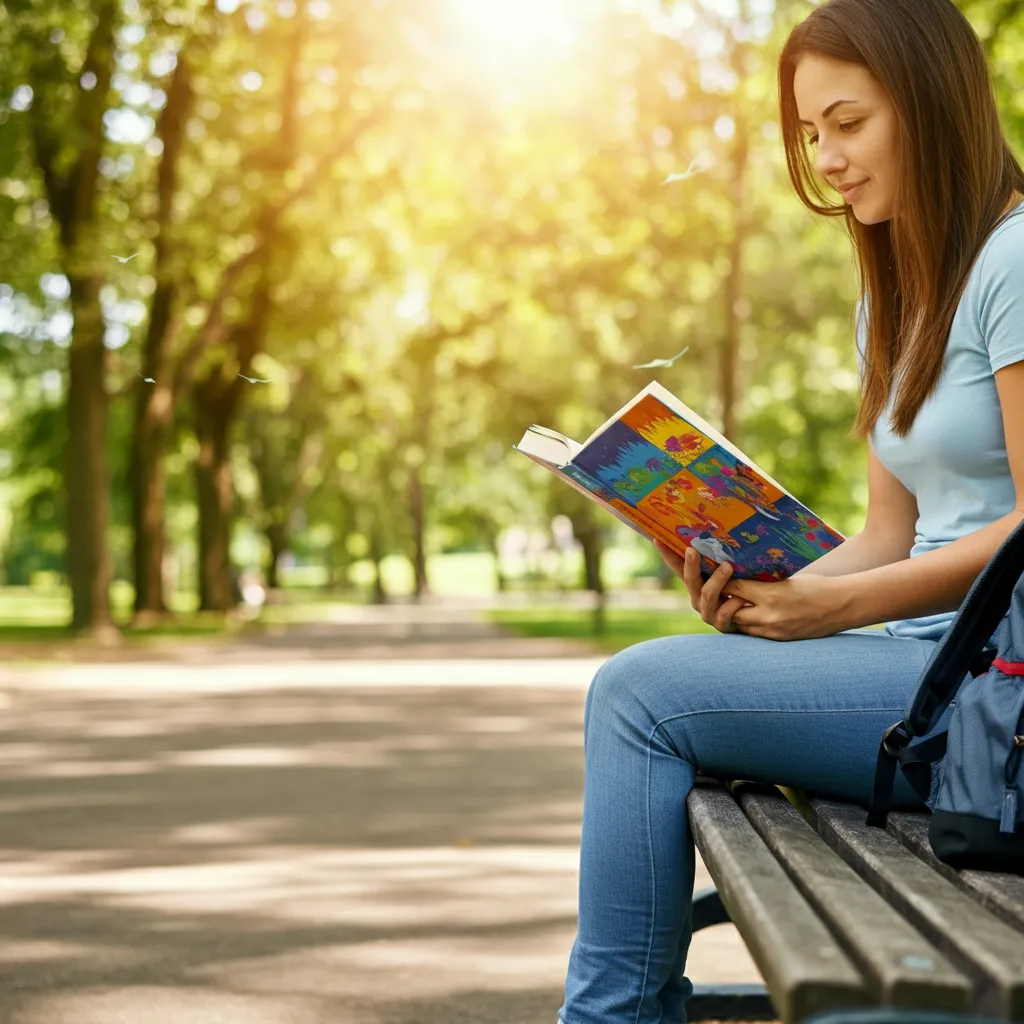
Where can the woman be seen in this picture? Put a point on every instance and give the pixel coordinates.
(889, 121)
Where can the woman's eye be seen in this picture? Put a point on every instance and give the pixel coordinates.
(812, 140)
(848, 125)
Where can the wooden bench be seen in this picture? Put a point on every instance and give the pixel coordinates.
(840, 917)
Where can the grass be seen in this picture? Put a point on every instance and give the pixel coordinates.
(623, 626)
(40, 615)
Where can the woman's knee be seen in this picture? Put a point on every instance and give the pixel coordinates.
(645, 679)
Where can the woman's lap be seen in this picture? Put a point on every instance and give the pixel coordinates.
(808, 714)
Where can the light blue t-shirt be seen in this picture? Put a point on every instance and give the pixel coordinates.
(953, 460)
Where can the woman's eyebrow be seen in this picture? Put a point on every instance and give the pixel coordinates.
(828, 110)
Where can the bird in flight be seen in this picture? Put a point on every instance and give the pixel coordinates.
(125, 259)
(661, 362)
(255, 380)
(696, 167)
(148, 380)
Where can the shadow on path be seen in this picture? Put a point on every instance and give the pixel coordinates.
(344, 855)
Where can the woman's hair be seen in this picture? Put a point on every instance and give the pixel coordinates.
(956, 176)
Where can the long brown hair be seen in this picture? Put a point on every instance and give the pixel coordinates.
(957, 175)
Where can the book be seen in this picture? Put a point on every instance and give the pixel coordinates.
(662, 470)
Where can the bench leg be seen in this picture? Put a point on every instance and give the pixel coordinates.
(723, 1002)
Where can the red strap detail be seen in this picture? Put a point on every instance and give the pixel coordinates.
(1010, 668)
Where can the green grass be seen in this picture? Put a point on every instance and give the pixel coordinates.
(623, 626)
(40, 615)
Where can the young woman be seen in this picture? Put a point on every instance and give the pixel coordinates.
(889, 121)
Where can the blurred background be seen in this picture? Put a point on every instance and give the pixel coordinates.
(282, 282)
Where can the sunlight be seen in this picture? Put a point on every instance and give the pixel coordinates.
(504, 32)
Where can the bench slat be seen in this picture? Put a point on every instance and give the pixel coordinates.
(902, 967)
(802, 964)
(1002, 894)
(987, 948)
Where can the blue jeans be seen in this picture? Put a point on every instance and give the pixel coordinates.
(808, 714)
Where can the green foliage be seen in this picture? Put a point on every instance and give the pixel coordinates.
(462, 247)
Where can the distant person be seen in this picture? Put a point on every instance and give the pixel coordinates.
(888, 121)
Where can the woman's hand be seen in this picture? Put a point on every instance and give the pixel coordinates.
(709, 602)
(798, 608)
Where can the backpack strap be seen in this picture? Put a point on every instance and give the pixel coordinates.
(961, 651)
(957, 652)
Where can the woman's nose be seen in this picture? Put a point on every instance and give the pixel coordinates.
(830, 160)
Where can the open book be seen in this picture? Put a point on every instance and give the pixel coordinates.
(658, 467)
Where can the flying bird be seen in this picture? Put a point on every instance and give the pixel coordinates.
(696, 167)
(125, 259)
(148, 380)
(661, 362)
(255, 380)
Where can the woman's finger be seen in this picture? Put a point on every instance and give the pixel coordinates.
(693, 580)
(711, 593)
(724, 618)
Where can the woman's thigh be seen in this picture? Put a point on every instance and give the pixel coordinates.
(808, 714)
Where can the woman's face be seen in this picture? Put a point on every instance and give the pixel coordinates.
(851, 122)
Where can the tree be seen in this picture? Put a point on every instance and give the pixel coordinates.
(70, 96)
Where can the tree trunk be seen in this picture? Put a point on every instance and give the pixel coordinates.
(490, 533)
(277, 538)
(666, 577)
(591, 540)
(735, 311)
(154, 409)
(215, 496)
(88, 551)
(153, 416)
(60, 130)
(593, 553)
(376, 557)
(421, 586)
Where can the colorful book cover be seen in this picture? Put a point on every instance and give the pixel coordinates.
(662, 469)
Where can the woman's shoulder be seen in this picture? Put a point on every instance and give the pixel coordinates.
(1002, 255)
(998, 283)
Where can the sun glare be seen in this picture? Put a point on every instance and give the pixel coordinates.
(516, 30)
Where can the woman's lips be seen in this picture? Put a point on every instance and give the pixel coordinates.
(851, 194)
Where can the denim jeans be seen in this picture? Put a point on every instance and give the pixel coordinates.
(808, 714)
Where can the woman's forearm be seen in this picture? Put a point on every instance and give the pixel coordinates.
(928, 584)
(858, 553)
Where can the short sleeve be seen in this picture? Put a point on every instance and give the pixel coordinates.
(1001, 295)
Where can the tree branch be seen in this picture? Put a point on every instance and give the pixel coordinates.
(212, 329)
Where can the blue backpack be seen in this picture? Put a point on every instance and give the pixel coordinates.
(971, 775)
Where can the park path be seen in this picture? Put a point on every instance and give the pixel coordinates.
(365, 823)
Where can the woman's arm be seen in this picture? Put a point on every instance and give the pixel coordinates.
(888, 533)
(938, 581)
(934, 582)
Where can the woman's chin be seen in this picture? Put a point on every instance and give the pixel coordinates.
(871, 214)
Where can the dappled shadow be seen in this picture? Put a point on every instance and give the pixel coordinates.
(332, 854)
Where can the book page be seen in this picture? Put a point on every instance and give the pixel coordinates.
(544, 445)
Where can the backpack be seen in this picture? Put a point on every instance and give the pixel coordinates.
(971, 775)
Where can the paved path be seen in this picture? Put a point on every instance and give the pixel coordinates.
(267, 836)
